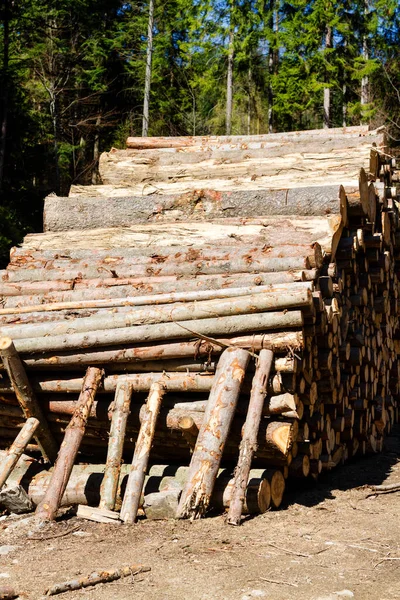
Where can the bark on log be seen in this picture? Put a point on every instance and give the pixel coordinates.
(156, 332)
(248, 444)
(213, 433)
(126, 302)
(277, 342)
(174, 382)
(26, 397)
(120, 413)
(16, 449)
(115, 288)
(63, 214)
(95, 578)
(245, 305)
(47, 509)
(141, 456)
(201, 261)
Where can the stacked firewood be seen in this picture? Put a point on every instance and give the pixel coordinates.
(264, 343)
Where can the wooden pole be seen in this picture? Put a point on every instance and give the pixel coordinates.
(16, 449)
(121, 405)
(47, 509)
(214, 432)
(141, 455)
(27, 398)
(248, 444)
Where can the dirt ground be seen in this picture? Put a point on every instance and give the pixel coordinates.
(329, 542)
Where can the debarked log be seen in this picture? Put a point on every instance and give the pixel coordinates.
(256, 303)
(156, 332)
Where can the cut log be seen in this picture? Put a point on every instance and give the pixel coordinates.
(277, 342)
(26, 397)
(63, 214)
(16, 449)
(47, 509)
(248, 444)
(256, 303)
(140, 459)
(184, 329)
(213, 434)
(120, 413)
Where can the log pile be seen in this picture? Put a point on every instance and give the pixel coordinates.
(244, 336)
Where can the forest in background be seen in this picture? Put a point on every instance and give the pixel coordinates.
(76, 75)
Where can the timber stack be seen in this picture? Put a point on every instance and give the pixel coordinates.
(221, 312)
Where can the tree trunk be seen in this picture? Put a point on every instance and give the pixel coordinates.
(4, 88)
(96, 153)
(147, 81)
(327, 90)
(229, 81)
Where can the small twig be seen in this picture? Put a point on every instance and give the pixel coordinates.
(56, 535)
(383, 489)
(386, 558)
(279, 582)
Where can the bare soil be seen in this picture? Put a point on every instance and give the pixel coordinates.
(330, 541)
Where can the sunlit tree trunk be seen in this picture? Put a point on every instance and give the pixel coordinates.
(147, 81)
(327, 90)
(5, 85)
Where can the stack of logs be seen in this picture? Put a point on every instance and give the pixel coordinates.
(262, 344)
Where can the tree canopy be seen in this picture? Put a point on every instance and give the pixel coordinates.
(73, 80)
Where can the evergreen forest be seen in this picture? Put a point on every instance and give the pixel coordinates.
(78, 76)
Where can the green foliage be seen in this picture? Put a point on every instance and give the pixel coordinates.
(75, 79)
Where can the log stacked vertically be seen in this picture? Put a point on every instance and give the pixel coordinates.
(310, 273)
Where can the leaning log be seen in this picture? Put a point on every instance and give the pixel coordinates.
(26, 397)
(16, 449)
(213, 433)
(141, 456)
(248, 444)
(120, 413)
(47, 509)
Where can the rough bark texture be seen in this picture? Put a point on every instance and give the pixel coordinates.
(26, 397)
(16, 449)
(47, 509)
(141, 456)
(248, 445)
(213, 433)
(120, 413)
(63, 214)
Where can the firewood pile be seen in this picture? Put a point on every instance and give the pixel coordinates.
(223, 334)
